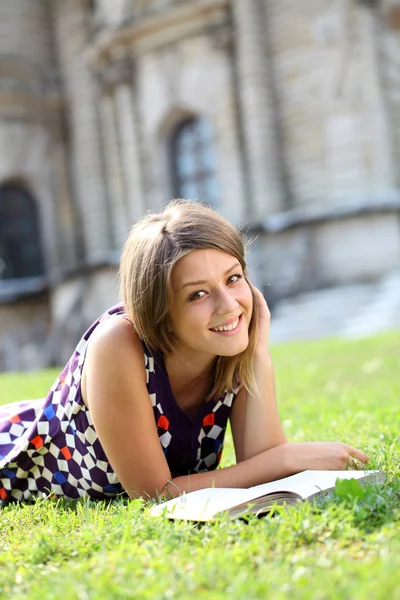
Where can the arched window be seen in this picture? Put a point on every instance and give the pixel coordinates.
(20, 248)
(193, 162)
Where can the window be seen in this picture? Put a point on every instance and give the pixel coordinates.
(193, 161)
(20, 249)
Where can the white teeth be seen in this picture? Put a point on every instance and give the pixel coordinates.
(227, 327)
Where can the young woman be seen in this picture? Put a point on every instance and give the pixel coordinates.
(143, 404)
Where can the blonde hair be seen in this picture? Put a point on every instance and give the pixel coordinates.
(154, 246)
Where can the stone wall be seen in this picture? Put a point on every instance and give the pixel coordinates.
(336, 128)
(24, 30)
(75, 304)
(32, 151)
(24, 329)
(323, 253)
(389, 53)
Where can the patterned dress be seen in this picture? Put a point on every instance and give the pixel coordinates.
(51, 446)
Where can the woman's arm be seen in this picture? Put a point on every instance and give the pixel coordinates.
(117, 397)
(275, 463)
(255, 422)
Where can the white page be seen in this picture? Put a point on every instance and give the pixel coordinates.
(307, 483)
(213, 500)
(202, 504)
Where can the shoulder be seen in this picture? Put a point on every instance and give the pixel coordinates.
(115, 328)
(114, 344)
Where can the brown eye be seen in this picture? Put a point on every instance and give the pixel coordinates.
(234, 278)
(196, 295)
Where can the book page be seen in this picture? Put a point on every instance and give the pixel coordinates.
(202, 504)
(307, 483)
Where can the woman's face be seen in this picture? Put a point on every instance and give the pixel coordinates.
(212, 304)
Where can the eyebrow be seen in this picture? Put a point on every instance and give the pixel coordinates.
(202, 281)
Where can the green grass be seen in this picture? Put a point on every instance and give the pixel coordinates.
(328, 390)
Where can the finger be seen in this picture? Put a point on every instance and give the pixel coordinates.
(360, 455)
(260, 298)
(356, 453)
(357, 459)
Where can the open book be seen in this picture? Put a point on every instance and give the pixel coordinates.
(209, 503)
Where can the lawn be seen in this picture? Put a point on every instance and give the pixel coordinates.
(337, 548)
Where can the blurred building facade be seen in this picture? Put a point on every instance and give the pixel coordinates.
(284, 115)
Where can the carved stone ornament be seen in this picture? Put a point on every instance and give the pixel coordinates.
(114, 73)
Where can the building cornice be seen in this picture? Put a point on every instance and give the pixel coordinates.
(23, 99)
(20, 106)
(16, 289)
(155, 30)
(317, 214)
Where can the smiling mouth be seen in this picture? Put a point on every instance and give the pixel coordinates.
(229, 327)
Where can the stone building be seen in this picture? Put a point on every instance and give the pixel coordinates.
(284, 115)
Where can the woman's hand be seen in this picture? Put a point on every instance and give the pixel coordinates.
(264, 321)
(323, 456)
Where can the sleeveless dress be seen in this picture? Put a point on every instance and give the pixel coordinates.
(51, 446)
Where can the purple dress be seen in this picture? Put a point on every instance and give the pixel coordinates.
(51, 445)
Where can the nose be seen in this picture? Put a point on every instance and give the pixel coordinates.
(226, 302)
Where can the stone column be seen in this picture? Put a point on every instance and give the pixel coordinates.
(113, 169)
(70, 21)
(130, 151)
(378, 101)
(68, 226)
(266, 194)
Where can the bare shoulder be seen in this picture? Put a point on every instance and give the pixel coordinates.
(115, 336)
(114, 349)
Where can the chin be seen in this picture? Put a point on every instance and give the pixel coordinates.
(236, 350)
